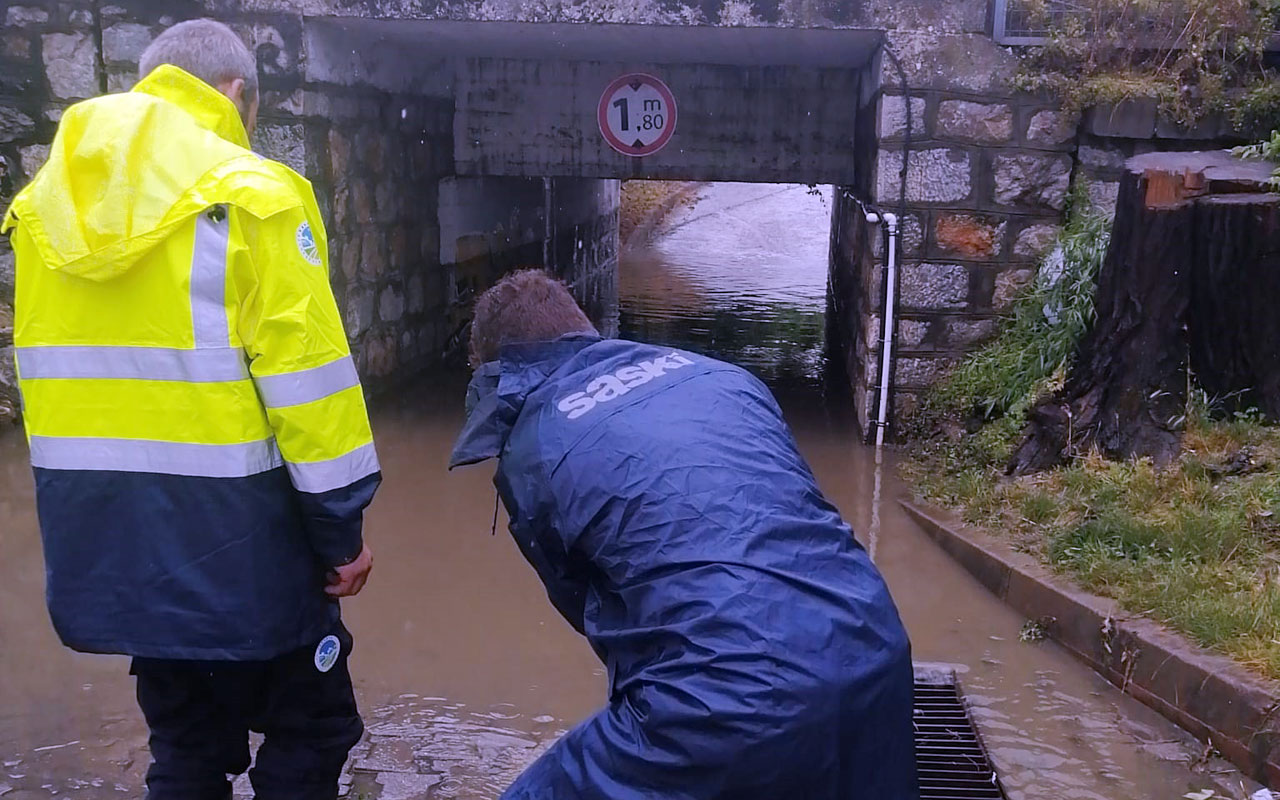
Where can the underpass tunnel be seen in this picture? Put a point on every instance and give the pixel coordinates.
(490, 226)
(738, 271)
(456, 152)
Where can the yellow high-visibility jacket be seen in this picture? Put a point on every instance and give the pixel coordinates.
(199, 435)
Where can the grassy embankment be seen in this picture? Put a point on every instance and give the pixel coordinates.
(645, 204)
(1195, 545)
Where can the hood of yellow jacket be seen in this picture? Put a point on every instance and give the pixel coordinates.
(124, 171)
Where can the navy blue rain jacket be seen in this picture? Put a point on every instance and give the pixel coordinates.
(752, 648)
(205, 569)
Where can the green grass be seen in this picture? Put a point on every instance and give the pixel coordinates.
(1185, 545)
(1195, 545)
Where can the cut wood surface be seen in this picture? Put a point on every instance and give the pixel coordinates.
(1191, 280)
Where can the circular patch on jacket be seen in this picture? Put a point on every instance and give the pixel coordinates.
(327, 653)
(307, 244)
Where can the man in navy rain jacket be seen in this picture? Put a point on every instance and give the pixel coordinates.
(752, 648)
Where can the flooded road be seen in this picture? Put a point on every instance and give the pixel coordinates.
(723, 276)
(464, 670)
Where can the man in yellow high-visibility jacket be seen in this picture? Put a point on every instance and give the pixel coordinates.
(201, 447)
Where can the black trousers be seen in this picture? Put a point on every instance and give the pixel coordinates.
(200, 714)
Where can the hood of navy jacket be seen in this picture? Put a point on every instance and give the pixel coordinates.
(498, 390)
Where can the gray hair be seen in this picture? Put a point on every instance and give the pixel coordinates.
(208, 50)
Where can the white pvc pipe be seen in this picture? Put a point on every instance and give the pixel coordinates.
(886, 345)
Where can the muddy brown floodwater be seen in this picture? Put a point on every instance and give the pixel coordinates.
(464, 670)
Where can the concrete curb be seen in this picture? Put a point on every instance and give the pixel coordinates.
(1209, 695)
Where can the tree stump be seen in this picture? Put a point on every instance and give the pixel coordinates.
(1189, 281)
(1234, 316)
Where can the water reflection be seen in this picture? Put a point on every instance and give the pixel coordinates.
(741, 274)
(451, 749)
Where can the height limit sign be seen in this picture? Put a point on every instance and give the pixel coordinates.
(637, 115)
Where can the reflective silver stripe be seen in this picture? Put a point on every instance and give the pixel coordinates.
(315, 477)
(308, 385)
(215, 365)
(165, 458)
(209, 283)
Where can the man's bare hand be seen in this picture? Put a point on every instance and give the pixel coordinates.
(349, 579)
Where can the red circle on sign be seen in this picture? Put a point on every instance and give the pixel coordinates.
(637, 147)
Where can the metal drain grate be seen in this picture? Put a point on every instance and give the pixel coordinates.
(952, 762)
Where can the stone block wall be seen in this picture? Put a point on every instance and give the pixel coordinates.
(380, 157)
(988, 173)
(988, 176)
(850, 304)
(1111, 134)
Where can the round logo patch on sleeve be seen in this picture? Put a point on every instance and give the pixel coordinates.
(327, 653)
(307, 244)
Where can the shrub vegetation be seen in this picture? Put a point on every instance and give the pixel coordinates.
(1195, 545)
(1195, 57)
